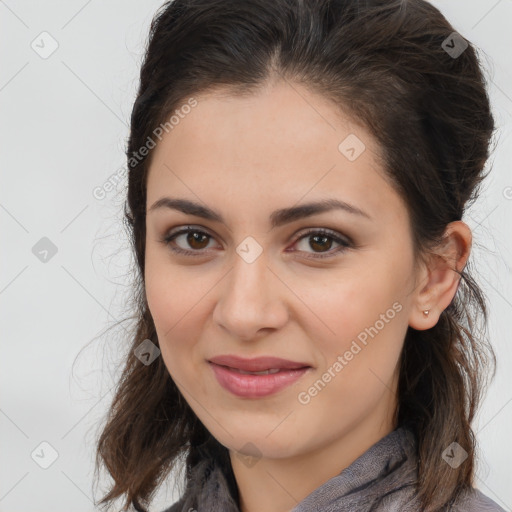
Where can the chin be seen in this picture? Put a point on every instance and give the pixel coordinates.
(256, 442)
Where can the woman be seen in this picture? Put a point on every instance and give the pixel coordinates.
(306, 339)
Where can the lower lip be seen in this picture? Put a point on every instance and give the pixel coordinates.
(255, 386)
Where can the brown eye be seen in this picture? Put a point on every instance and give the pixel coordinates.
(196, 239)
(192, 238)
(195, 242)
(321, 242)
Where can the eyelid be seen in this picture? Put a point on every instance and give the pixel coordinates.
(345, 242)
(327, 231)
(184, 229)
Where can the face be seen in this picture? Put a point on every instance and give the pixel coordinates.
(331, 290)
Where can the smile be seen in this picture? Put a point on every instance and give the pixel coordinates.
(247, 384)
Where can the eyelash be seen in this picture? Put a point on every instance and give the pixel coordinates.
(344, 244)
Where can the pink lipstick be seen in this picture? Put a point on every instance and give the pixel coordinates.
(257, 377)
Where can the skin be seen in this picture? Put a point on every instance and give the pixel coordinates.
(246, 157)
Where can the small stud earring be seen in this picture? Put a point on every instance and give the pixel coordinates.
(426, 312)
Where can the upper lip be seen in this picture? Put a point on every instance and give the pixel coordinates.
(256, 364)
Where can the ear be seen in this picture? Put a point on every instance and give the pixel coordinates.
(438, 278)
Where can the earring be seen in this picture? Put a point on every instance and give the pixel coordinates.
(426, 312)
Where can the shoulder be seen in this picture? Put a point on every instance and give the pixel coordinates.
(476, 501)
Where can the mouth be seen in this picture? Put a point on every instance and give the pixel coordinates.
(257, 366)
(256, 378)
(263, 372)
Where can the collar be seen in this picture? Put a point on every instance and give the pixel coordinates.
(382, 478)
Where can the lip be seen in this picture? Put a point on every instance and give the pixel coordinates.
(226, 368)
(257, 364)
(255, 386)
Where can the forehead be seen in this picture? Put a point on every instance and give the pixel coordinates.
(274, 147)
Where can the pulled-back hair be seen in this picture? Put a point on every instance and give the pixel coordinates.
(386, 64)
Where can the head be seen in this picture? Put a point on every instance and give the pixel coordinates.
(302, 102)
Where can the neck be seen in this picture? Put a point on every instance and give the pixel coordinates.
(278, 485)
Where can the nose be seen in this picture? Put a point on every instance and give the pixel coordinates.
(251, 300)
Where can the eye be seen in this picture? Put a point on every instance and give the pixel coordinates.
(192, 236)
(323, 239)
(318, 239)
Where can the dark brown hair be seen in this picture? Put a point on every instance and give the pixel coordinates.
(386, 63)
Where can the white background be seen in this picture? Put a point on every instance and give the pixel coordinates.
(63, 126)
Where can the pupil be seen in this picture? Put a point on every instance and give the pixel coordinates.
(194, 237)
(321, 237)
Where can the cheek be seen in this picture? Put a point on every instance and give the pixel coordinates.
(363, 318)
(170, 303)
(177, 300)
(171, 292)
(346, 304)
(359, 361)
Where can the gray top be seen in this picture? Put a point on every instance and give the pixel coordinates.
(380, 480)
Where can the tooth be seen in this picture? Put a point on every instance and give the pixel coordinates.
(265, 372)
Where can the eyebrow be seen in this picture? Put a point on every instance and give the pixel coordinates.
(277, 218)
